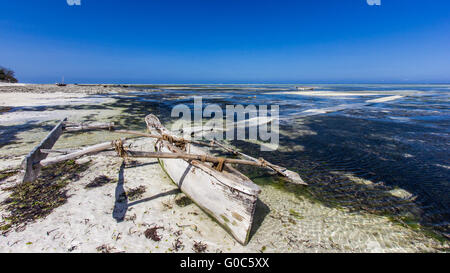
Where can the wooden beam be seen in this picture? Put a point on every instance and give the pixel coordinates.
(81, 127)
(59, 151)
(153, 123)
(30, 165)
(204, 158)
(292, 176)
(88, 150)
(177, 139)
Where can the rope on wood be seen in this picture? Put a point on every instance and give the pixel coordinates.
(168, 138)
(263, 162)
(180, 143)
(221, 164)
(120, 150)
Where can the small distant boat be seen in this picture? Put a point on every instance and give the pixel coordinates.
(304, 88)
(61, 83)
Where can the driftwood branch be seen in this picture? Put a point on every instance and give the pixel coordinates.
(88, 150)
(154, 123)
(181, 140)
(292, 176)
(203, 158)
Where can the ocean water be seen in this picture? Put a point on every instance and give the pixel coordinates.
(389, 159)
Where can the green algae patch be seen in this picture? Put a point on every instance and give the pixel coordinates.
(280, 183)
(414, 224)
(5, 227)
(224, 218)
(7, 174)
(295, 214)
(183, 201)
(35, 200)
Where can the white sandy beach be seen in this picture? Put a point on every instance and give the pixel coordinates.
(87, 221)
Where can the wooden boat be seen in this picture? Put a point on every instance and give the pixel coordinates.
(61, 83)
(220, 190)
(228, 196)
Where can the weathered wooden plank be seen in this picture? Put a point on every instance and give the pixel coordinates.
(59, 151)
(30, 166)
(203, 158)
(229, 199)
(178, 139)
(154, 124)
(88, 150)
(292, 176)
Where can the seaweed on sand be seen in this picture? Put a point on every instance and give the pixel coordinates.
(106, 249)
(152, 233)
(199, 247)
(34, 200)
(178, 245)
(7, 174)
(99, 182)
(136, 193)
(183, 201)
(295, 214)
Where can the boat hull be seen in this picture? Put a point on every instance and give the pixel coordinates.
(229, 198)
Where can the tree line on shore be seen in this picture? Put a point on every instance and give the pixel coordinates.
(7, 75)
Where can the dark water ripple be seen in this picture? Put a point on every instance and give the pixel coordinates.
(403, 144)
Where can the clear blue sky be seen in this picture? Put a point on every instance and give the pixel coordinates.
(226, 41)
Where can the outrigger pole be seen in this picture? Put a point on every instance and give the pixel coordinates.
(37, 158)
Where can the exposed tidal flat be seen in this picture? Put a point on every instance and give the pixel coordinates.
(378, 175)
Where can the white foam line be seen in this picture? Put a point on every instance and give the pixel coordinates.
(253, 122)
(314, 112)
(385, 99)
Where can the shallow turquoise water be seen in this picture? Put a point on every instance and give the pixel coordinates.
(400, 144)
